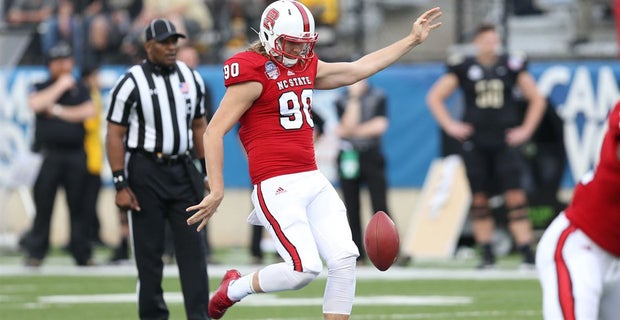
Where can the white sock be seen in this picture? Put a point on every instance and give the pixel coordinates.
(241, 287)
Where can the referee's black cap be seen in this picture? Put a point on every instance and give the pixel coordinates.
(161, 29)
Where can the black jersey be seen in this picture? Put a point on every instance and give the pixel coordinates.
(490, 104)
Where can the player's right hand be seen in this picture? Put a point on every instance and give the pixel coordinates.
(459, 130)
(126, 200)
(204, 210)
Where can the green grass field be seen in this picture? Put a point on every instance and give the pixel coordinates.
(447, 290)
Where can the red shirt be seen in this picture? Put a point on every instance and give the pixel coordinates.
(595, 207)
(276, 131)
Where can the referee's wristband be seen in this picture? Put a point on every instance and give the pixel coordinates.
(120, 182)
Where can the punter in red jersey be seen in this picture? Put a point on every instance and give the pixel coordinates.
(269, 91)
(578, 257)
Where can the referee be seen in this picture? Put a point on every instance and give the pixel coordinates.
(156, 119)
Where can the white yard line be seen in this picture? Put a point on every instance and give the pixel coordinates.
(219, 270)
(443, 315)
(268, 300)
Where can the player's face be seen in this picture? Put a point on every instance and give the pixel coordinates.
(487, 42)
(163, 52)
(295, 49)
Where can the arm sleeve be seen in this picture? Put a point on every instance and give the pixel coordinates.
(517, 62)
(201, 99)
(242, 69)
(122, 98)
(456, 63)
(209, 108)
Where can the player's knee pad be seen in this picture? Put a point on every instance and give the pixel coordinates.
(518, 213)
(340, 289)
(480, 212)
(341, 271)
(341, 263)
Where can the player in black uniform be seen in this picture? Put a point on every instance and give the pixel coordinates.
(490, 130)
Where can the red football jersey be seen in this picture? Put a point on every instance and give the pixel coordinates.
(595, 207)
(276, 131)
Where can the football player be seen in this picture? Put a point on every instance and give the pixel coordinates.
(490, 131)
(578, 256)
(269, 90)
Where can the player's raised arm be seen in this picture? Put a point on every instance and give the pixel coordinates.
(333, 75)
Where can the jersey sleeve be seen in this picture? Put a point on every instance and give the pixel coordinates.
(241, 68)
(517, 61)
(455, 63)
(122, 98)
(201, 97)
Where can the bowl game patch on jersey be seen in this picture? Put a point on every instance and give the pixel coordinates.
(271, 70)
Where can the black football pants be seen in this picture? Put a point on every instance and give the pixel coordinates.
(66, 168)
(163, 192)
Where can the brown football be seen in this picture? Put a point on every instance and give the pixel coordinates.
(381, 241)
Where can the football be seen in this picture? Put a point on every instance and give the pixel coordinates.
(381, 241)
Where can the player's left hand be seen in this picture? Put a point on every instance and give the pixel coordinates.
(517, 136)
(424, 24)
(205, 209)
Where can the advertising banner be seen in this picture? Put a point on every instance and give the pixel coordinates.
(582, 92)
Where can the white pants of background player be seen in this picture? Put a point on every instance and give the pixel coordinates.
(579, 279)
(308, 221)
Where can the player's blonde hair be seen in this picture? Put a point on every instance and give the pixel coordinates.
(258, 47)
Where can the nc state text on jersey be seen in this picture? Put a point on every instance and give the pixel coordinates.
(293, 82)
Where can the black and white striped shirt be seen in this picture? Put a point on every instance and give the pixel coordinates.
(158, 106)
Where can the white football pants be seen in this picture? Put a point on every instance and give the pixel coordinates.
(580, 280)
(307, 220)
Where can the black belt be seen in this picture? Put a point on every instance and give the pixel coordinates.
(161, 158)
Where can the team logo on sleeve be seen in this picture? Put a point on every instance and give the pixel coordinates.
(515, 63)
(474, 73)
(271, 70)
